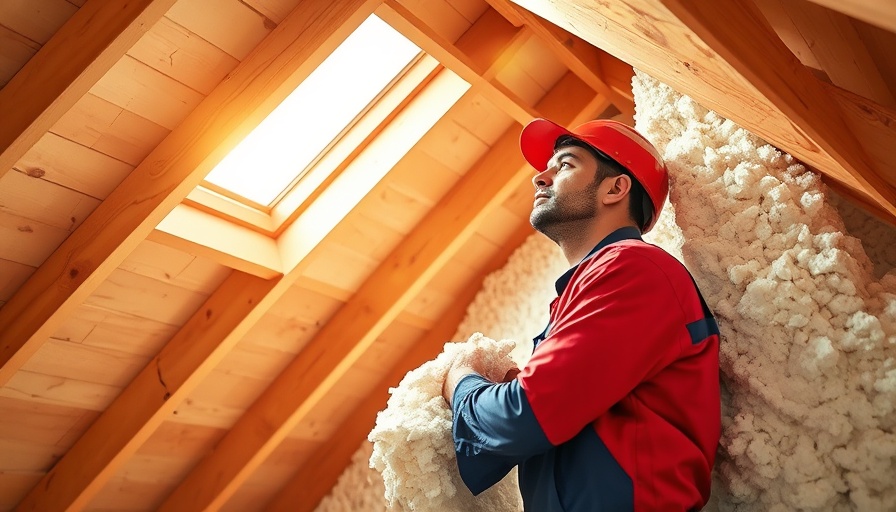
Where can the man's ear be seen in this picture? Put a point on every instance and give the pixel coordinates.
(619, 187)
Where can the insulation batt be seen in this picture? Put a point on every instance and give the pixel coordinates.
(412, 443)
(808, 320)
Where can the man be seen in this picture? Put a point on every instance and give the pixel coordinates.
(618, 407)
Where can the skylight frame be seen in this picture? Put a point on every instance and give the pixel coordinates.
(277, 128)
(271, 220)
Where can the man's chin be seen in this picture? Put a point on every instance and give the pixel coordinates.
(539, 222)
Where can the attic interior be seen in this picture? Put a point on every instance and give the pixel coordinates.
(169, 343)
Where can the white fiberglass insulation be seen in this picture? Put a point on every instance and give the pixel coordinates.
(412, 444)
(808, 320)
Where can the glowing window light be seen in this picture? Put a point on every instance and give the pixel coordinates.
(274, 154)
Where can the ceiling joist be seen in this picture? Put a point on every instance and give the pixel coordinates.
(66, 67)
(474, 71)
(170, 172)
(578, 55)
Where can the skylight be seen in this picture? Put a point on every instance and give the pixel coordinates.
(279, 150)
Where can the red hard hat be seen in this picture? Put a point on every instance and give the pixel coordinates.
(612, 139)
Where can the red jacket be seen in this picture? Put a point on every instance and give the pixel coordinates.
(619, 406)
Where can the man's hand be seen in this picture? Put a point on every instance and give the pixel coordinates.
(475, 362)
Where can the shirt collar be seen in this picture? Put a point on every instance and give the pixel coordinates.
(626, 233)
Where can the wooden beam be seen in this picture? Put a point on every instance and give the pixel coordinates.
(67, 66)
(343, 340)
(580, 56)
(317, 476)
(618, 75)
(167, 175)
(876, 12)
(491, 43)
(747, 75)
(872, 124)
(859, 201)
(837, 48)
(479, 72)
(152, 396)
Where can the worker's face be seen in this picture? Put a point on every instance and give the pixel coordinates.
(566, 191)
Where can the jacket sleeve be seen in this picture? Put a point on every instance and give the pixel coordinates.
(494, 430)
(616, 326)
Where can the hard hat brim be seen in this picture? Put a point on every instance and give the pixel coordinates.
(537, 142)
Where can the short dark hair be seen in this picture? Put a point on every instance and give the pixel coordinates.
(640, 209)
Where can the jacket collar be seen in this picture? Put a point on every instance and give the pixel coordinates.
(626, 233)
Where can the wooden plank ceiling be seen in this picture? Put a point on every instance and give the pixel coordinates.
(164, 348)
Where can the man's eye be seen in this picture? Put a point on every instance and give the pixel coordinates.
(563, 165)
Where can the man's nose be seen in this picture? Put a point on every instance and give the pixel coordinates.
(542, 179)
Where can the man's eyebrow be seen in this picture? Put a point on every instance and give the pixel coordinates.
(564, 153)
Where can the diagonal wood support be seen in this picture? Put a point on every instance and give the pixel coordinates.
(578, 55)
(152, 396)
(67, 66)
(479, 72)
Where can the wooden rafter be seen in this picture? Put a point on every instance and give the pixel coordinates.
(578, 55)
(835, 45)
(876, 12)
(476, 70)
(66, 67)
(875, 127)
(167, 175)
(152, 396)
(342, 341)
(618, 75)
(747, 75)
(319, 473)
